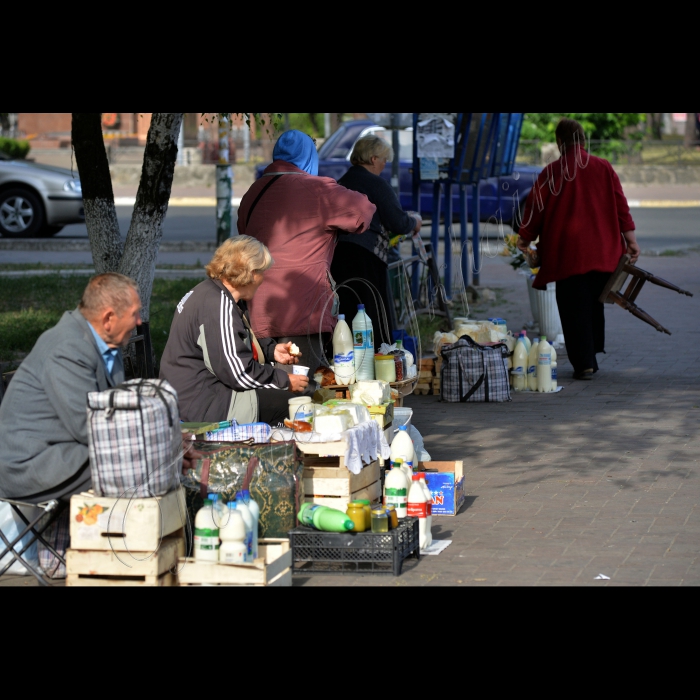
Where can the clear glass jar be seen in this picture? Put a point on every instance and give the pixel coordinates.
(384, 368)
(380, 520)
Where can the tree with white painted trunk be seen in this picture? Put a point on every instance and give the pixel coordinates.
(136, 257)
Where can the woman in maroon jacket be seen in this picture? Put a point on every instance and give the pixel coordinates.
(579, 212)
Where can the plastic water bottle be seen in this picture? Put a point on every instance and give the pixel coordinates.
(219, 509)
(249, 521)
(520, 365)
(206, 534)
(233, 534)
(532, 366)
(554, 369)
(343, 353)
(544, 366)
(255, 511)
(363, 338)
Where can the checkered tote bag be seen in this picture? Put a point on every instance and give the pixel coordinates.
(134, 439)
(473, 372)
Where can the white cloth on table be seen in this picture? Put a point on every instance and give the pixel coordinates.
(365, 442)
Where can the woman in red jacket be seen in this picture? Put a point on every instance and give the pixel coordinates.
(580, 214)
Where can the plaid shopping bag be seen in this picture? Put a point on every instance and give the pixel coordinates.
(134, 439)
(474, 372)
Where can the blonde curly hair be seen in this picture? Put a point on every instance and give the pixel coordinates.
(237, 258)
(369, 146)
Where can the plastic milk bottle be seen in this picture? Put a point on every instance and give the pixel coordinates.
(554, 369)
(418, 508)
(402, 448)
(255, 512)
(526, 340)
(520, 365)
(363, 338)
(249, 521)
(544, 365)
(396, 490)
(206, 534)
(532, 366)
(234, 545)
(429, 496)
(343, 353)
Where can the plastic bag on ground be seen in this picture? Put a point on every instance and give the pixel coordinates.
(418, 446)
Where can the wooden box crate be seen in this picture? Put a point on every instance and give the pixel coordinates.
(124, 524)
(327, 484)
(114, 568)
(271, 568)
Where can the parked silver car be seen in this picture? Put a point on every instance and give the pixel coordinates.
(37, 200)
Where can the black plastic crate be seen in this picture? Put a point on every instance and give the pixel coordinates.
(354, 552)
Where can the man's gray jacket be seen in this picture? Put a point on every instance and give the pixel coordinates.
(43, 416)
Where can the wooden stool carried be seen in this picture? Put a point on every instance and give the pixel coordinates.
(612, 295)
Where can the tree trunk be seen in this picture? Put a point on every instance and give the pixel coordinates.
(146, 229)
(98, 197)
(654, 123)
(689, 137)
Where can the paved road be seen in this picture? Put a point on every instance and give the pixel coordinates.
(657, 228)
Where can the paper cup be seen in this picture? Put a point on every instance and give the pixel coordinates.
(300, 369)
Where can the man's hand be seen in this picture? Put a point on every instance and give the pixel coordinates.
(284, 356)
(522, 244)
(297, 383)
(190, 456)
(633, 249)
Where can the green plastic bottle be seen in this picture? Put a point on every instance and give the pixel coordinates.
(324, 518)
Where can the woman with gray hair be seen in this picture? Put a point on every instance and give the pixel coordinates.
(367, 255)
(212, 358)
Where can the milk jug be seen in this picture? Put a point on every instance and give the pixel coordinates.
(234, 547)
(520, 365)
(554, 369)
(402, 448)
(418, 508)
(219, 510)
(429, 496)
(526, 340)
(343, 353)
(396, 490)
(532, 366)
(206, 534)
(363, 344)
(544, 366)
(249, 521)
(255, 512)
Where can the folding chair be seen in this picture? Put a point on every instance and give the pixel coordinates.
(51, 512)
(612, 295)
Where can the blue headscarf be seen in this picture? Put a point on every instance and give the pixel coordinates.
(297, 148)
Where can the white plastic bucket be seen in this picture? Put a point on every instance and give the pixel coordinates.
(534, 299)
(549, 321)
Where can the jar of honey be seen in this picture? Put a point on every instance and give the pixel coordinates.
(356, 513)
(380, 520)
(368, 512)
(393, 516)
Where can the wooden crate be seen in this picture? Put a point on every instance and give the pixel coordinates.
(327, 484)
(124, 524)
(114, 568)
(272, 568)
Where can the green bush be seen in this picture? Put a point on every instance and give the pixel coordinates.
(14, 148)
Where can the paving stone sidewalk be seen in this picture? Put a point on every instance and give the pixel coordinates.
(600, 478)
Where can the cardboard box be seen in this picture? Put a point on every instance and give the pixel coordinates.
(446, 483)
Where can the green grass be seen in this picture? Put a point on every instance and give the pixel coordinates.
(31, 305)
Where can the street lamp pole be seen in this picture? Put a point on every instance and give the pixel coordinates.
(395, 165)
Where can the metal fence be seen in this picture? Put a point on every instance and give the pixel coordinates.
(631, 152)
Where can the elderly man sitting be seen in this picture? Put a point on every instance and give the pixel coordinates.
(43, 417)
